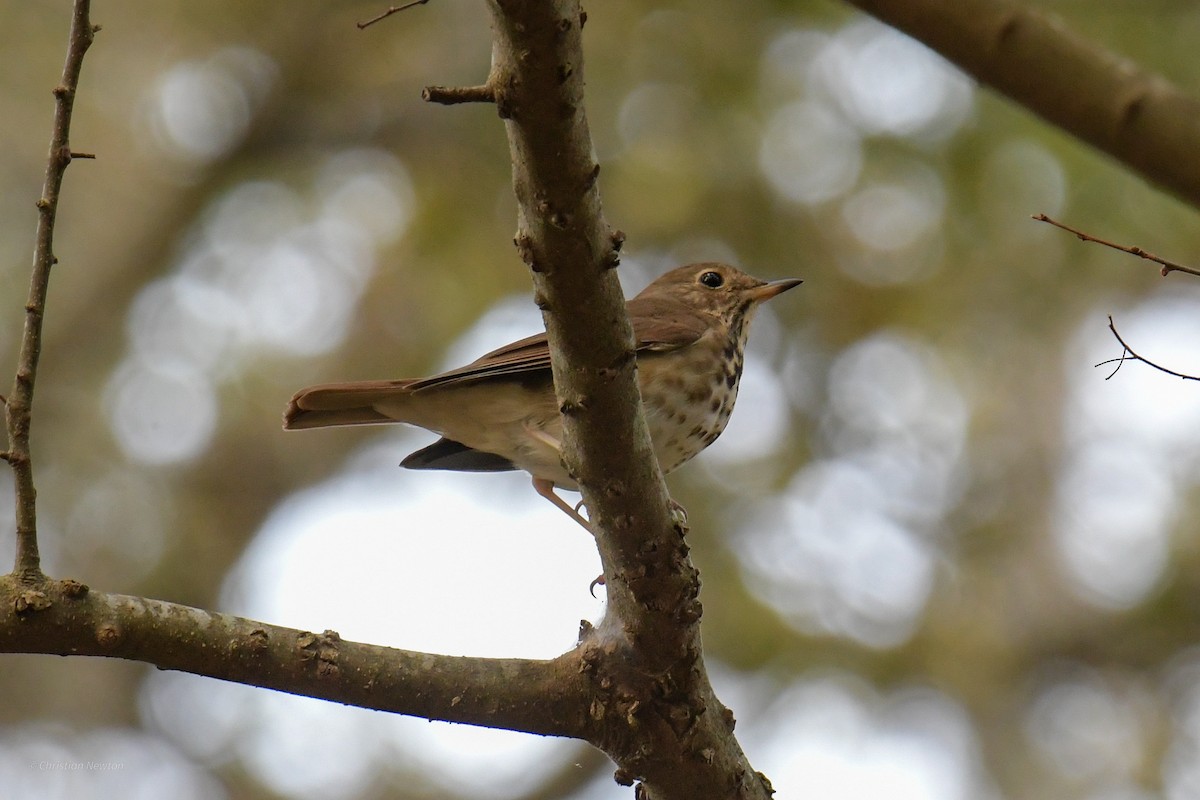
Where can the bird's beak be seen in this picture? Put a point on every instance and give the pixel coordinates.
(772, 288)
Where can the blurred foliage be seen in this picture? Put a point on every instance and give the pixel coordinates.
(947, 533)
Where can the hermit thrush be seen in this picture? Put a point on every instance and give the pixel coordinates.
(499, 412)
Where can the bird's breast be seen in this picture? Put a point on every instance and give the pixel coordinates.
(688, 395)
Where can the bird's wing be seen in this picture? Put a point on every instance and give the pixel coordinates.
(660, 326)
(449, 454)
(523, 358)
(656, 329)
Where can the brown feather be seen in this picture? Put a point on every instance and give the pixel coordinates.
(658, 325)
(339, 404)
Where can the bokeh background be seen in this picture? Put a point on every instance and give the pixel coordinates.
(944, 556)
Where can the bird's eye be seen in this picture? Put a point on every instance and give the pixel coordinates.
(712, 280)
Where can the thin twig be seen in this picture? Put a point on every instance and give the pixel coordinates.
(1167, 266)
(20, 401)
(389, 12)
(1131, 355)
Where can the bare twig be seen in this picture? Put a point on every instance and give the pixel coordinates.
(20, 401)
(1131, 355)
(451, 95)
(389, 12)
(1167, 266)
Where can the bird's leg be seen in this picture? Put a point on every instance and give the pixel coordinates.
(546, 489)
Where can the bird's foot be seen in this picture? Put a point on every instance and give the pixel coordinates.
(679, 515)
(546, 489)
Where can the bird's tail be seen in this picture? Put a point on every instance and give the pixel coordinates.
(331, 404)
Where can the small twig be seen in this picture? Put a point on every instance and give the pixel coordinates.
(452, 95)
(19, 405)
(1131, 355)
(1167, 266)
(389, 12)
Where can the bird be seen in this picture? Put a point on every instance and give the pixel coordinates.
(499, 413)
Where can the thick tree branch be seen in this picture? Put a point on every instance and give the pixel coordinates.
(1137, 117)
(663, 724)
(66, 618)
(537, 77)
(19, 404)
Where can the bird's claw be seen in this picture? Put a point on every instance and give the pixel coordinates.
(679, 514)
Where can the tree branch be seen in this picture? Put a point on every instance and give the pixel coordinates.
(1167, 266)
(1137, 117)
(663, 723)
(18, 407)
(66, 618)
(453, 95)
(537, 78)
(1131, 355)
(385, 14)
